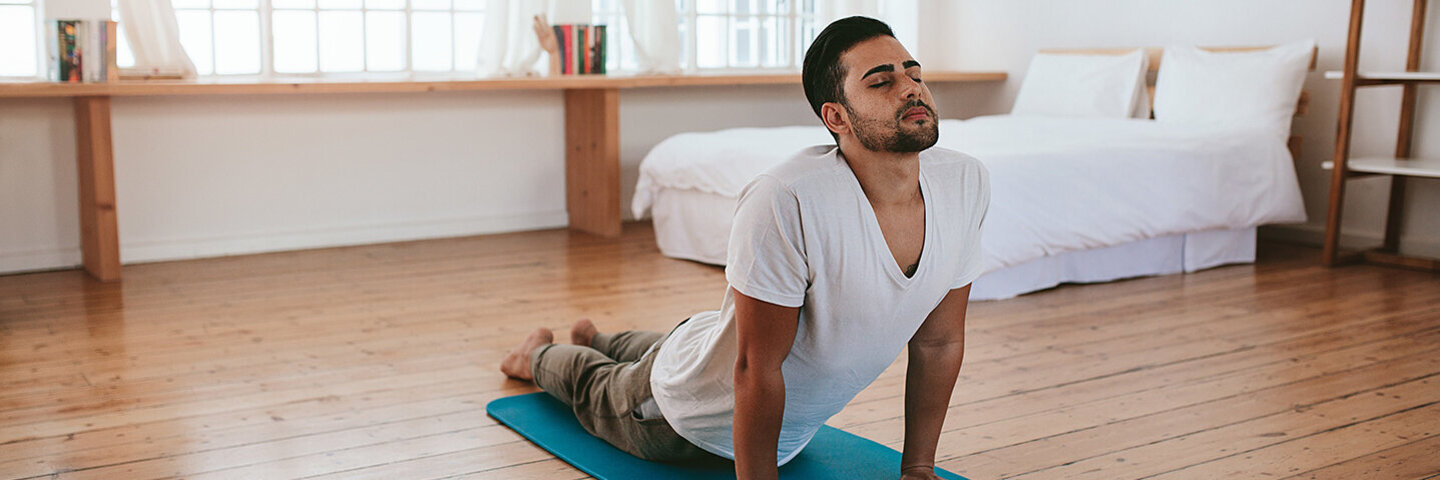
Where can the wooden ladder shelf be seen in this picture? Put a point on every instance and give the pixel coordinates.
(1399, 168)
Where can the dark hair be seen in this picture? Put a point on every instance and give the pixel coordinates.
(822, 73)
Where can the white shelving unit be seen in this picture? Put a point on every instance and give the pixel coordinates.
(1387, 76)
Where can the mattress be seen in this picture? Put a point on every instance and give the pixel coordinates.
(1111, 189)
(695, 226)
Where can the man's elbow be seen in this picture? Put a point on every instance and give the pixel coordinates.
(954, 351)
(749, 372)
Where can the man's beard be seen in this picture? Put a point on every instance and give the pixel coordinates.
(890, 135)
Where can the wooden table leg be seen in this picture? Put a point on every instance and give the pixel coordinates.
(99, 233)
(592, 160)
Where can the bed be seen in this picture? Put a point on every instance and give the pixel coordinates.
(1073, 200)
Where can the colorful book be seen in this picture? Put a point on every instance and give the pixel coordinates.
(582, 48)
(69, 51)
(599, 52)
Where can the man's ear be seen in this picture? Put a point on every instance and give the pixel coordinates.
(835, 117)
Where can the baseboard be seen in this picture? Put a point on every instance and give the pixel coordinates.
(39, 260)
(1314, 235)
(206, 247)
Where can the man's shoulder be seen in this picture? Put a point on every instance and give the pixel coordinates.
(811, 170)
(810, 162)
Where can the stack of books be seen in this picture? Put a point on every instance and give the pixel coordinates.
(582, 48)
(82, 51)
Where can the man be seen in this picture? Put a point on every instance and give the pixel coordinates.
(838, 259)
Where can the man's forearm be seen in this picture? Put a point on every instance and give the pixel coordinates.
(929, 380)
(759, 409)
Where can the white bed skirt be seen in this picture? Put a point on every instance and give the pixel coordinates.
(685, 227)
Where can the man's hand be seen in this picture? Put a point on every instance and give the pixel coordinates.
(919, 473)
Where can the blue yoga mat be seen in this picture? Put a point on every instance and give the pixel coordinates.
(833, 453)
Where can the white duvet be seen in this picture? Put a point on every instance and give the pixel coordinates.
(1057, 184)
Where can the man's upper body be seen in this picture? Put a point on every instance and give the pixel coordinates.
(804, 236)
(838, 259)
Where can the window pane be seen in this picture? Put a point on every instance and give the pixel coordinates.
(467, 39)
(710, 42)
(295, 42)
(710, 6)
(16, 2)
(195, 37)
(385, 5)
(473, 5)
(430, 4)
(741, 7)
(324, 4)
(292, 3)
(250, 4)
(385, 41)
(685, 43)
(775, 7)
(17, 34)
(430, 33)
(742, 42)
(341, 42)
(773, 42)
(190, 3)
(237, 42)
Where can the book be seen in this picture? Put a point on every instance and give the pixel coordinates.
(581, 48)
(560, 44)
(599, 52)
(83, 51)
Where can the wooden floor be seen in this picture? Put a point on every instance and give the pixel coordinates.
(376, 362)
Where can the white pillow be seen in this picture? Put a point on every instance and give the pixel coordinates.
(1082, 85)
(1257, 88)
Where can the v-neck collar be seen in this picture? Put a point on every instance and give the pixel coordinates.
(877, 236)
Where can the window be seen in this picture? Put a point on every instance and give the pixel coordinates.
(746, 34)
(321, 37)
(376, 37)
(20, 56)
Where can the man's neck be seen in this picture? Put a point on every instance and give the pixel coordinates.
(888, 178)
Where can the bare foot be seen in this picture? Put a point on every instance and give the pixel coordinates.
(583, 332)
(517, 363)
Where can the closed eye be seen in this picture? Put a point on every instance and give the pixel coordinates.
(881, 84)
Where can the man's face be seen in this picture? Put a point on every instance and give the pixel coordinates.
(890, 109)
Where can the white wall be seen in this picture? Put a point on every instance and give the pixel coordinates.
(219, 175)
(1003, 34)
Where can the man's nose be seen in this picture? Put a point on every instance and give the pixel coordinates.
(911, 88)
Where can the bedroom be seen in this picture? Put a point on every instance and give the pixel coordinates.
(377, 359)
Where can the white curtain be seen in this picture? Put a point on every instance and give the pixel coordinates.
(655, 28)
(508, 46)
(155, 36)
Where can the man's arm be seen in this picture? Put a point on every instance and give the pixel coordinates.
(765, 333)
(936, 351)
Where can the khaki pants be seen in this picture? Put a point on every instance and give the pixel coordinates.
(604, 385)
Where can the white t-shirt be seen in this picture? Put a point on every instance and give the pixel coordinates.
(805, 236)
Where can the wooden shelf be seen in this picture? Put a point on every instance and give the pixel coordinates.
(212, 86)
(1387, 78)
(1410, 167)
